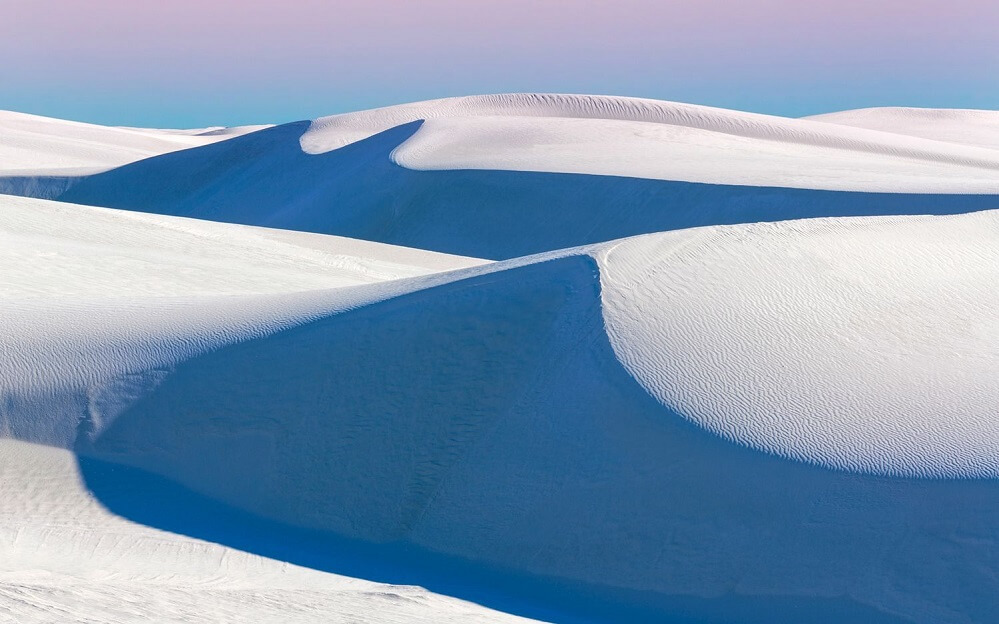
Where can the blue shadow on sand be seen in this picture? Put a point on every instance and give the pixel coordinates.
(409, 417)
(264, 178)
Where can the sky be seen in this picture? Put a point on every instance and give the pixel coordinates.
(192, 63)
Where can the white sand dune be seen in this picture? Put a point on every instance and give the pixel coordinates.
(664, 141)
(95, 298)
(82, 251)
(505, 176)
(747, 422)
(880, 150)
(978, 128)
(631, 387)
(65, 557)
(35, 145)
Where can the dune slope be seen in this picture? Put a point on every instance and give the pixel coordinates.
(34, 145)
(65, 557)
(978, 128)
(97, 306)
(575, 424)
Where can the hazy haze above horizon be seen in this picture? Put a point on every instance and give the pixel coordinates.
(187, 63)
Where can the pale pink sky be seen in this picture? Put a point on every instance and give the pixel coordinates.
(190, 62)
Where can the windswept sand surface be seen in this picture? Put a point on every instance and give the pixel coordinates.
(965, 127)
(36, 145)
(671, 141)
(727, 367)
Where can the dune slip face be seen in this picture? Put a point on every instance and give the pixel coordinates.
(503, 358)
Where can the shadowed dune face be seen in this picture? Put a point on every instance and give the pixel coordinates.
(526, 457)
(298, 407)
(264, 178)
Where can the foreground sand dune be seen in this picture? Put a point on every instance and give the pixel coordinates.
(65, 557)
(541, 417)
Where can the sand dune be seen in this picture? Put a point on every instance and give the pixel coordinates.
(626, 419)
(34, 145)
(661, 140)
(65, 557)
(515, 395)
(528, 203)
(965, 127)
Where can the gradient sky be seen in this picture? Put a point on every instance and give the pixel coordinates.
(184, 63)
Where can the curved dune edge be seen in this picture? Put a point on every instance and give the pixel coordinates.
(335, 131)
(868, 345)
(653, 139)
